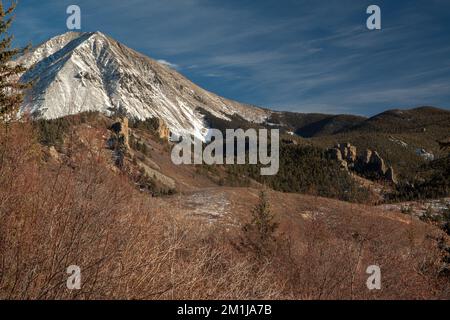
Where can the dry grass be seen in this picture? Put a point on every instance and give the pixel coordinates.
(79, 212)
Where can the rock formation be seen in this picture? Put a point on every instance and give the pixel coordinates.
(163, 129)
(121, 129)
(370, 164)
(119, 140)
(390, 175)
(348, 152)
(377, 164)
(336, 154)
(367, 155)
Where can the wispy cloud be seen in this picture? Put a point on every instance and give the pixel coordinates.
(168, 64)
(298, 55)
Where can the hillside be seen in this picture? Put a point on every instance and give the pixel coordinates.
(423, 119)
(312, 124)
(399, 136)
(192, 244)
(100, 198)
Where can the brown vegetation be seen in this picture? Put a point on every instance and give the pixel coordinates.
(78, 211)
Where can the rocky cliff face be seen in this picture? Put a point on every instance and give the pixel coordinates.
(77, 72)
(119, 140)
(369, 164)
(163, 130)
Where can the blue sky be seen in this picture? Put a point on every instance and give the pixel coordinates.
(303, 56)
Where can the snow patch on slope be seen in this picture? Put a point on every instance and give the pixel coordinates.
(78, 72)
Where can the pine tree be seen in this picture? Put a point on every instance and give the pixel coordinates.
(263, 218)
(11, 89)
(260, 233)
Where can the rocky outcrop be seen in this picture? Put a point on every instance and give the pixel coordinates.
(376, 164)
(119, 140)
(370, 164)
(348, 152)
(367, 155)
(336, 154)
(52, 154)
(390, 175)
(163, 129)
(122, 131)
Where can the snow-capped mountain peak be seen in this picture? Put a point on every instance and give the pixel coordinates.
(77, 72)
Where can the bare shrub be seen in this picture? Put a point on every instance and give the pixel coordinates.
(79, 211)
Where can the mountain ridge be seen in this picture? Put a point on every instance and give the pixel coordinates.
(77, 72)
(89, 71)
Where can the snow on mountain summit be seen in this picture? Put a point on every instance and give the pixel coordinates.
(77, 72)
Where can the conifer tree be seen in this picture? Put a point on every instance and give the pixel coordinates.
(260, 233)
(11, 89)
(263, 219)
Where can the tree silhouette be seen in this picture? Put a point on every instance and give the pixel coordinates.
(11, 89)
